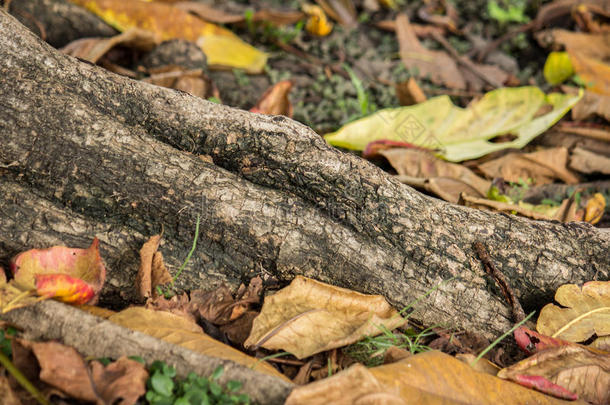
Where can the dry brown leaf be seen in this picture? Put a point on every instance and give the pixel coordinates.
(309, 317)
(542, 166)
(275, 100)
(183, 332)
(7, 396)
(592, 104)
(585, 161)
(342, 11)
(447, 180)
(216, 306)
(144, 277)
(500, 206)
(429, 378)
(178, 305)
(439, 66)
(194, 81)
(409, 92)
(121, 382)
(211, 14)
(586, 311)
(92, 49)
(97, 311)
(588, 54)
(572, 367)
(64, 368)
(482, 365)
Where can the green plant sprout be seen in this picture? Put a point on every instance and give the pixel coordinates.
(163, 388)
(514, 11)
(501, 338)
(363, 97)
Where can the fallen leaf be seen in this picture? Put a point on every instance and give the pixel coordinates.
(481, 365)
(588, 54)
(558, 68)
(221, 47)
(592, 104)
(539, 212)
(317, 22)
(543, 167)
(183, 332)
(583, 312)
(121, 382)
(309, 317)
(342, 11)
(211, 14)
(563, 370)
(57, 267)
(64, 288)
(456, 133)
(275, 100)
(426, 378)
(193, 81)
(152, 272)
(437, 65)
(596, 206)
(532, 342)
(447, 180)
(409, 92)
(585, 161)
(6, 392)
(64, 368)
(92, 49)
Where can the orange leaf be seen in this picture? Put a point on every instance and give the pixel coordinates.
(63, 287)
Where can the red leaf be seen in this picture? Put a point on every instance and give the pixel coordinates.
(80, 266)
(64, 287)
(543, 385)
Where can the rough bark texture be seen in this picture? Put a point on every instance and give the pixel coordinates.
(120, 157)
(95, 337)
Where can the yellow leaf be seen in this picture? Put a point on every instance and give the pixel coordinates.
(595, 208)
(558, 68)
(429, 378)
(186, 333)
(309, 317)
(585, 312)
(221, 46)
(317, 23)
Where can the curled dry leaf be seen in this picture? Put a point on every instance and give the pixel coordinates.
(596, 206)
(447, 180)
(121, 382)
(543, 167)
(584, 311)
(317, 22)
(309, 317)
(563, 370)
(186, 333)
(589, 162)
(152, 271)
(92, 49)
(426, 378)
(275, 100)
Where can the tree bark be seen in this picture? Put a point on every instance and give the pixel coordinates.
(86, 152)
(94, 337)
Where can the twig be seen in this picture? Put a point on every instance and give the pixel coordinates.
(509, 295)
